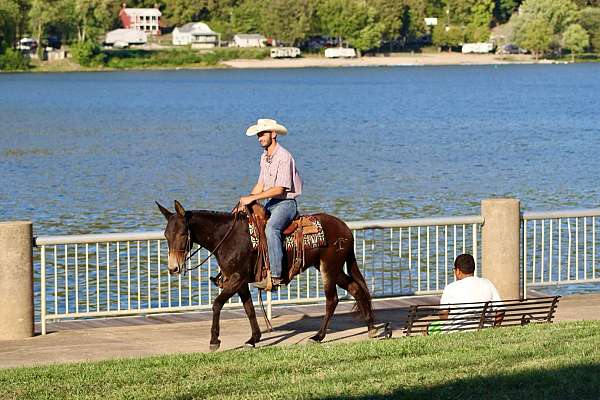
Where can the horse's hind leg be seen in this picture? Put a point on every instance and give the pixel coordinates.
(331, 302)
(348, 283)
(246, 298)
(232, 285)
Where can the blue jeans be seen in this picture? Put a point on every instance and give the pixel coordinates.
(282, 212)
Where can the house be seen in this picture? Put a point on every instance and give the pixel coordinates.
(141, 19)
(249, 40)
(125, 37)
(197, 34)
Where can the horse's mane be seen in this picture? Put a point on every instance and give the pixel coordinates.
(213, 212)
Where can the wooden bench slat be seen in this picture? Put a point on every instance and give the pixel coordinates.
(481, 315)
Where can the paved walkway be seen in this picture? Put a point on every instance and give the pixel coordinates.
(183, 333)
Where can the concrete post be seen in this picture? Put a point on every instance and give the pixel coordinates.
(16, 280)
(500, 245)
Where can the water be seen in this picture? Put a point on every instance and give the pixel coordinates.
(91, 152)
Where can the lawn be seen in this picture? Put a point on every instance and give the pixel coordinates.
(559, 361)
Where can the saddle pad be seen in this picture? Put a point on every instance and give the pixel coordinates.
(314, 236)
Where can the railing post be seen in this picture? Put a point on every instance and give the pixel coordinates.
(16, 280)
(500, 245)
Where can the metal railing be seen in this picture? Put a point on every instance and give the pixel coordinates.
(125, 274)
(559, 247)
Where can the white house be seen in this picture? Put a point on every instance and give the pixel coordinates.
(249, 40)
(125, 37)
(198, 34)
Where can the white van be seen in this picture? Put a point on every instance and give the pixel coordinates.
(285, 52)
(479, 48)
(340, 52)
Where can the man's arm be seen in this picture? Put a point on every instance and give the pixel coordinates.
(267, 194)
(258, 188)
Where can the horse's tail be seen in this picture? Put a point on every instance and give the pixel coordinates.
(363, 298)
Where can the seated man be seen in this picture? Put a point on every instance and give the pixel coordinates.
(466, 289)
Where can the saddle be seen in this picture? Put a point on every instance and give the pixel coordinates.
(304, 232)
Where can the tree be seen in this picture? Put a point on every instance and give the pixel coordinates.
(589, 19)
(246, 17)
(558, 14)
(92, 18)
(535, 35)
(9, 20)
(370, 35)
(575, 38)
(180, 12)
(41, 14)
(389, 15)
(352, 21)
(447, 36)
(555, 14)
(287, 20)
(503, 9)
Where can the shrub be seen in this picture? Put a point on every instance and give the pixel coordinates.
(13, 60)
(88, 53)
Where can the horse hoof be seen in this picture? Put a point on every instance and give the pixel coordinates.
(249, 345)
(314, 340)
(214, 346)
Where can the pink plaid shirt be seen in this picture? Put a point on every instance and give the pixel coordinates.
(279, 170)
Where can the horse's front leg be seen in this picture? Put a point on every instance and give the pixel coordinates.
(230, 287)
(246, 298)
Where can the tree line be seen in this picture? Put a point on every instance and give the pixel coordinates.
(541, 26)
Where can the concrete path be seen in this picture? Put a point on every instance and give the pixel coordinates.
(185, 333)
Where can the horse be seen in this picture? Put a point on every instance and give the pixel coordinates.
(227, 235)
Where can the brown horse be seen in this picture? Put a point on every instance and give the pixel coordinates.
(237, 259)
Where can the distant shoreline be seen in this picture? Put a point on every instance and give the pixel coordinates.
(397, 59)
(315, 61)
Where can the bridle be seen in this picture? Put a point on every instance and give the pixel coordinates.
(188, 246)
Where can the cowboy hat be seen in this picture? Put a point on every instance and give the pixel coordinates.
(266, 125)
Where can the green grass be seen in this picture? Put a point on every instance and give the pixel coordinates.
(139, 59)
(560, 361)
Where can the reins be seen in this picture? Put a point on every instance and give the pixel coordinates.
(188, 246)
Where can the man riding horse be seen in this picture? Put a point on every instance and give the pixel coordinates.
(280, 182)
(227, 236)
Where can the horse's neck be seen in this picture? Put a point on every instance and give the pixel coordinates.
(208, 227)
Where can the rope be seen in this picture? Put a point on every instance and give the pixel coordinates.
(267, 322)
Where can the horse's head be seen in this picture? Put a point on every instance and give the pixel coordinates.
(177, 235)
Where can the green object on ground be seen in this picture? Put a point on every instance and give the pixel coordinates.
(435, 328)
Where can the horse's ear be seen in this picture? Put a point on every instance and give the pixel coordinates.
(179, 208)
(164, 211)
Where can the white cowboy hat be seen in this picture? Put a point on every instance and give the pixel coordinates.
(265, 124)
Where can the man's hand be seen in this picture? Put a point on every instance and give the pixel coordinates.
(246, 200)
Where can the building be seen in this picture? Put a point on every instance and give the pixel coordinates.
(125, 37)
(249, 40)
(197, 34)
(141, 19)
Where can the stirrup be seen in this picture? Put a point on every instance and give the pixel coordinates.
(265, 284)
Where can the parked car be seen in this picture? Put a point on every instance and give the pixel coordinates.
(27, 44)
(510, 49)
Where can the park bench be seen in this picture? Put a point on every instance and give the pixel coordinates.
(477, 316)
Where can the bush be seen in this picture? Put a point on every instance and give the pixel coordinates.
(88, 53)
(13, 60)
